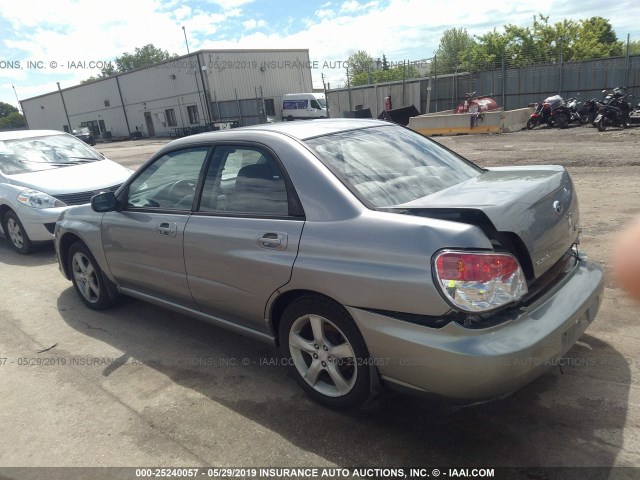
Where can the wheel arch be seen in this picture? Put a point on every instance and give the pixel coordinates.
(282, 301)
(4, 208)
(65, 243)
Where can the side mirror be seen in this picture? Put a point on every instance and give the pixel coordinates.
(104, 202)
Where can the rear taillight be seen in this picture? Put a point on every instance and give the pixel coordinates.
(479, 281)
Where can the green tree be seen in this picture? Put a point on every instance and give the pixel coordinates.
(544, 42)
(12, 120)
(634, 47)
(6, 109)
(390, 75)
(359, 63)
(596, 39)
(454, 46)
(385, 62)
(141, 57)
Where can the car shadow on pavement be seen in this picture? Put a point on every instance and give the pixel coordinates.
(571, 418)
(43, 254)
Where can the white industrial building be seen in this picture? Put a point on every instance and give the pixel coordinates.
(180, 96)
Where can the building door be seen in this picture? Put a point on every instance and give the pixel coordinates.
(149, 121)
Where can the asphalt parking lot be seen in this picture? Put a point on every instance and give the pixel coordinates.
(140, 386)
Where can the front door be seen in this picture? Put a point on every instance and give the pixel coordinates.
(240, 245)
(143, 243)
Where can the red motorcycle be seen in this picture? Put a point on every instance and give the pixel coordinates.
(551, 112)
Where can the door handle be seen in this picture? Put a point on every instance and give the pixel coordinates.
(272, 240)
(167, 229)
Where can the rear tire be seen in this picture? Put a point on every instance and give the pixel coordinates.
(16, 234)
(326, 352)
(531, 123)
(90, 283)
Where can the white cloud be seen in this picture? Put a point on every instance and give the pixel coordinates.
(253, 23)
(350, 6)
(182, 12)
(325, 13)
(230, 4)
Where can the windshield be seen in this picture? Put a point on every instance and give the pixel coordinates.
(391, 165)
(322, 102)
(44, 153)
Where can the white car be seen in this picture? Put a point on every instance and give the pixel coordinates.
(42, 173)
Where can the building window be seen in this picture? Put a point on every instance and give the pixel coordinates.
(170, 115)
(106, 103)
(102, 126)
(193, 114)
(269, 107)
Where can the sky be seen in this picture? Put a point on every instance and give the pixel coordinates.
(42, 43)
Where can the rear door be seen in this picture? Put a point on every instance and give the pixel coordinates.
(241, 243)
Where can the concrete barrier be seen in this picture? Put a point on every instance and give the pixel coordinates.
(515, 120)
(496, 121)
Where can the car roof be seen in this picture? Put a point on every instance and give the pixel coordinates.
(300, 130)
(17, 134)
(305, 129)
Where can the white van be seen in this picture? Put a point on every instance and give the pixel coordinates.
(303, 106)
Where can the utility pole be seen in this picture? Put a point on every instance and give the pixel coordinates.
(185, 39)
(65, 109)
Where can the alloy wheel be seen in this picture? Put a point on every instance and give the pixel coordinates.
(86, 277)
(323, 355)
(15, 233)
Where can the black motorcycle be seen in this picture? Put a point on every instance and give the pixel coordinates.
(614, 111)
(592, 107)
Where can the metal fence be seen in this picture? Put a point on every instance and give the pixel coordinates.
(512, 88)
(247, 111)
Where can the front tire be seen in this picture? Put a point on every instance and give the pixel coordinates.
(16, 234)
(600, 125)
(326, 352)
(562, 120)
(90, 283)
(531, 123)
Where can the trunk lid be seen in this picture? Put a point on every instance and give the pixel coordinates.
(536, 204)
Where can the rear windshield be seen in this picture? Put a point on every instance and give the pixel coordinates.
(44, 153)
(391, 165)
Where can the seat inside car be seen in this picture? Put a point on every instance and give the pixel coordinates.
(258, 190)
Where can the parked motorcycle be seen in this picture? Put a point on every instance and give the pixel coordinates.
(615, 110)
(592, 107)
(546, 112)
(577, 112)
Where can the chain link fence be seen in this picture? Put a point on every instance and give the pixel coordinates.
(513, 83)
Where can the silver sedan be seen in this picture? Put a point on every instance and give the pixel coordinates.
(368, 253)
